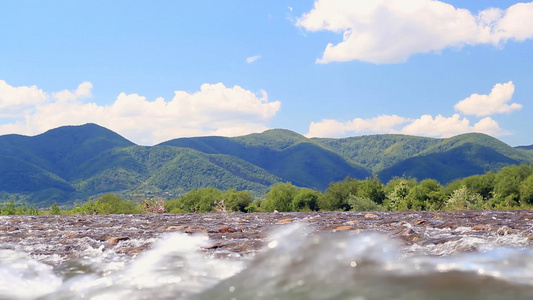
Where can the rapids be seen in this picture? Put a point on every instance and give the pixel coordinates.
(360, 256)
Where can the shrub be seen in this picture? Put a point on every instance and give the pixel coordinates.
(359, 203)
(108, 204)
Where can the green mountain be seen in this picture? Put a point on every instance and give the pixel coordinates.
(74, 163)
(377, 152)
(530, 147)
(445, 160)
(284, 153)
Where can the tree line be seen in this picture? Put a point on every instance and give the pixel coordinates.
(510, 188)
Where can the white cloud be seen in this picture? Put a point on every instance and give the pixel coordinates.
(494, 103)
(214, 110)
(15, 101)
(426, 125)
(444, 127)
(83, 91)
(333, 128)
(390, 31)
(252, 59)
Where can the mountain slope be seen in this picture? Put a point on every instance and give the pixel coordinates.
(283, 153)
(74, 163)
(378, 152)
(461, 161)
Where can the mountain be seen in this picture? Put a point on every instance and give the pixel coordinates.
(74, 163)
(445, 160)
(49, 163)
(284, 153)
(530, 147)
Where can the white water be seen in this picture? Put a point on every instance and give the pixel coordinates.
(295, 264)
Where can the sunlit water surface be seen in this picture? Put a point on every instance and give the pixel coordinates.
(295, 264)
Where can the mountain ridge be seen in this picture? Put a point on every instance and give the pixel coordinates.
(74, 163)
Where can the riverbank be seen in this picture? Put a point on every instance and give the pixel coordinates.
(56, 238)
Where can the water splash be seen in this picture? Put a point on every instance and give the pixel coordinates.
(297, 263)
(373, 266)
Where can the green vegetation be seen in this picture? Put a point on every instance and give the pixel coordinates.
(10, 208)
(511, 188)
(107, 204)
(210, 200)
(70, 164)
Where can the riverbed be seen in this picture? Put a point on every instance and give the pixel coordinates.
(318, 255)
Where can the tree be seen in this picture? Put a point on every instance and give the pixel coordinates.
(199, 201)
(427, 195)
(526, 191)
(507, 185)
(397, 190)
(464, 198)
(337, 194)
(372, 189)
(362, 203)
(280, 197)
(55, 210)
(481, 184)
(237, 200)
(108, 204)
(306, 200)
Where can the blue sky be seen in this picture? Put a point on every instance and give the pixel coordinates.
(157, 70)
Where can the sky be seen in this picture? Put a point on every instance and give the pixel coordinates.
(157, 70)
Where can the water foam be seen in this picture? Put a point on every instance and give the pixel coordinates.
(296, 263)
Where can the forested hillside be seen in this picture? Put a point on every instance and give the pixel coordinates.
(74, 163)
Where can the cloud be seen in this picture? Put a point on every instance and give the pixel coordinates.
(426, 125)
(444, 127)
(333, 128)
(390, 31)
(213, 110)
(83, 91)
(493, 103)
(252, 59)
(14, 101)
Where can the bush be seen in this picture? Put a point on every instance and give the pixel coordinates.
(237, 200)
(55, 210)
(306, 200)
(462, 199)
(280, 197)
(10, 208)
(359, 203)
(108, 204)
(197, 201)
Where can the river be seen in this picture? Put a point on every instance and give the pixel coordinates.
(322, 255)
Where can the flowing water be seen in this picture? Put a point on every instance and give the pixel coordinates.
(461, 255)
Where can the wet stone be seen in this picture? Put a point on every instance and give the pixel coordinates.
(239, 233)
(116, 240)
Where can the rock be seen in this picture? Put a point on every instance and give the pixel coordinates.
(70, 235)
(284, 221)
(129, 251)
(439, 241)
(407, 231)
(115, 240)
(180, 227)
(213, 246)
(370, 215)
(481, 227)
(504, 230)
(450, 226)
(411, 237)
(420, 222)
(227, 229)
(344, 228)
